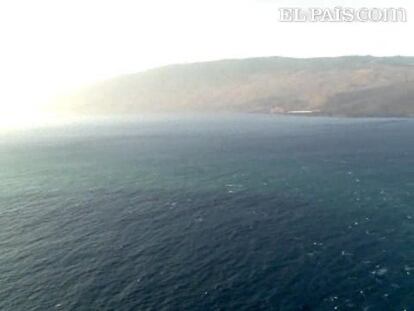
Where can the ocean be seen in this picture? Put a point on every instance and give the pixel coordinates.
(208, 212)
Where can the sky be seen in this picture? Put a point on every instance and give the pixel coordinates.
(50, 47)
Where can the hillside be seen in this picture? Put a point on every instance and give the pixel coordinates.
(343, 86)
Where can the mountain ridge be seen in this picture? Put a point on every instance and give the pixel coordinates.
(338, 86)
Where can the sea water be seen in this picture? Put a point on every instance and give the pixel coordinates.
(213, 212)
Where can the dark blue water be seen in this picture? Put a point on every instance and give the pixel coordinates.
(209, 213)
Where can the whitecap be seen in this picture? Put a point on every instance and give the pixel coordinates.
(380, 272)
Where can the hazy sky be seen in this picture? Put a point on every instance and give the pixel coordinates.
(51, 45)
